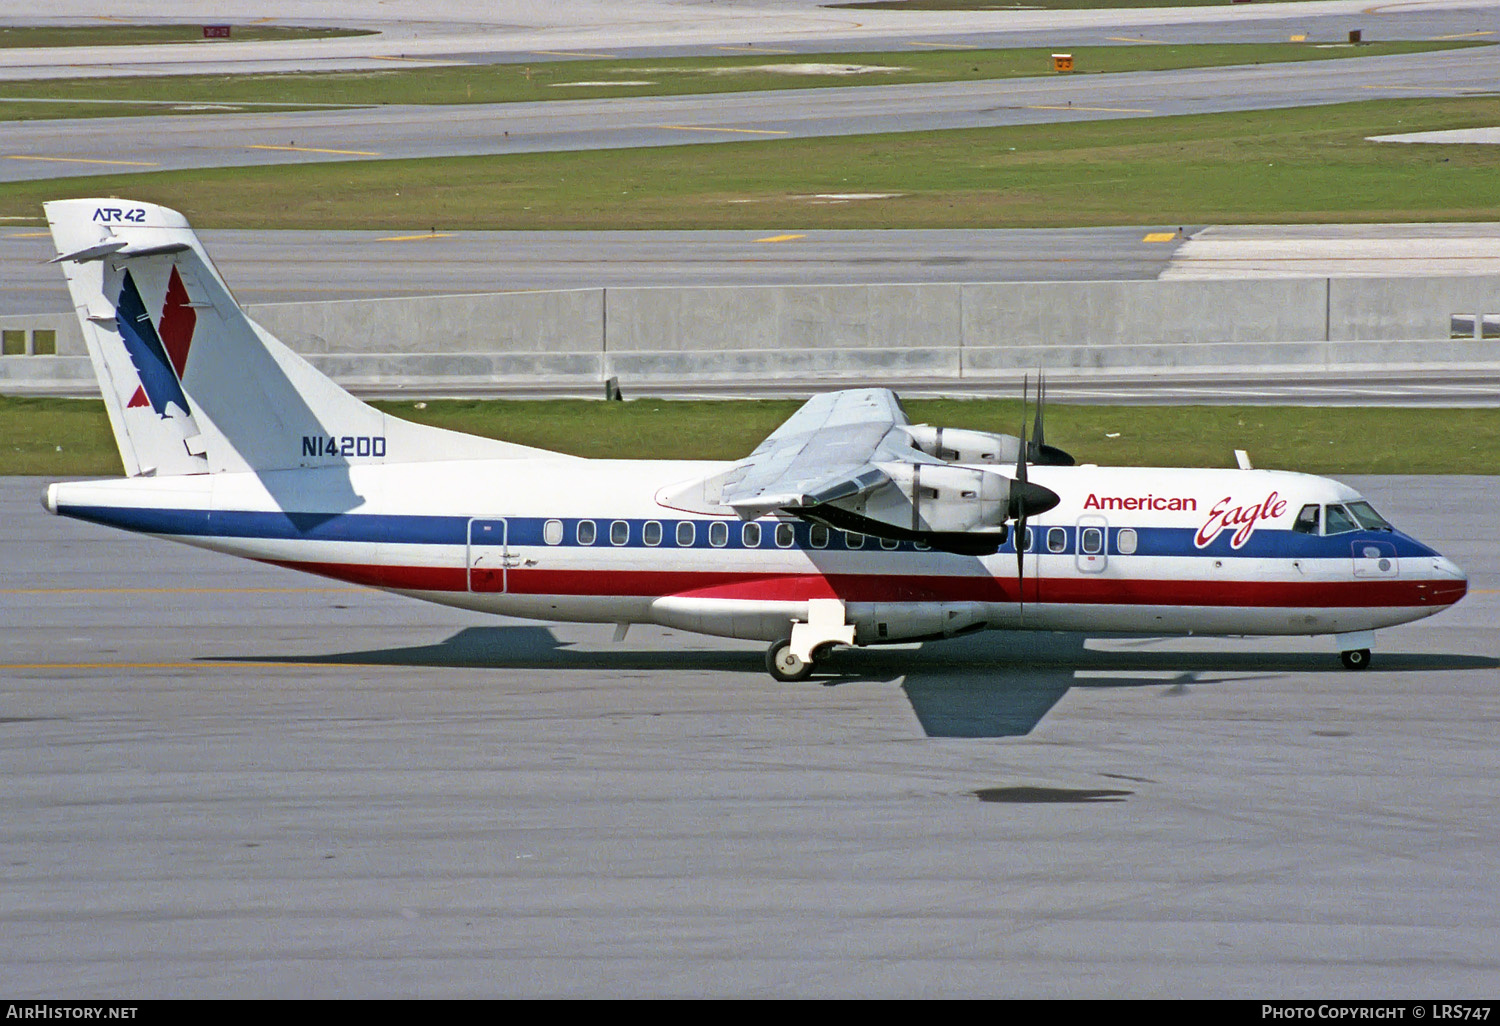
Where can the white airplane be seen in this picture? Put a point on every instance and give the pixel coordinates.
(849, 525)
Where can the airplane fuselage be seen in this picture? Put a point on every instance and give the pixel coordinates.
(1159, 551)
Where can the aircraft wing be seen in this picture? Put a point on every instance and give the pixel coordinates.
(826, 451)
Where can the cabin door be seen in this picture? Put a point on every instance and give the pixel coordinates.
(489, 556)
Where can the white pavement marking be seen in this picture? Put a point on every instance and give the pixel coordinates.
(1320, 251)
(1455, 136)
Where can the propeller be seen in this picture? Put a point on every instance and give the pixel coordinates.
(1027, 498)
(1039, 451)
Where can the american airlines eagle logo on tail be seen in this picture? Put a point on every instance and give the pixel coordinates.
(159, 359)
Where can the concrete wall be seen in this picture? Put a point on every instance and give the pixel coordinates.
(504, 322)
(855, 333)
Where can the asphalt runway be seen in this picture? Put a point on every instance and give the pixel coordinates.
(92, 146)
(227, 780)
(304, 266)
(440, 31)
(307, 266)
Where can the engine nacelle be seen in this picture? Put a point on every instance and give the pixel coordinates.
(960, 445)
(942, 498)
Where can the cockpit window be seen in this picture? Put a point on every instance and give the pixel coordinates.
(1307, 520)
(1336, 520)
(1368, 518)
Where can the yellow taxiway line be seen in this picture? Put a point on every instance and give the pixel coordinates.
(709, 128)
(414, 60)
(82, 160)
(572, 53)
(314, 149)
(1115, 110)
(781, 238)
(751, 49)
(413, 238)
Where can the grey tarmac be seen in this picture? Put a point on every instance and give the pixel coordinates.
(228, 780)
(67, 148)
(305, 266)
(439, 31)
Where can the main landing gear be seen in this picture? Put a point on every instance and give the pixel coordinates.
(786, 665)
(793, 658)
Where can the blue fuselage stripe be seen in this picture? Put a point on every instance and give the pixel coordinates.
(402, 529)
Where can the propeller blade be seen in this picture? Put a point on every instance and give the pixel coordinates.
(1037, 439)
(1039, 451)
(1021, 453)
(1021, 560)
(1018, 492)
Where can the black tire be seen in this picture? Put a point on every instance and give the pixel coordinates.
(784, 666)
(1355, 659)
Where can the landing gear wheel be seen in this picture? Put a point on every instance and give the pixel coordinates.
(1357, 659)
(783, 663)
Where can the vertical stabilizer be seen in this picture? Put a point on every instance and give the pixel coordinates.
(194, 386)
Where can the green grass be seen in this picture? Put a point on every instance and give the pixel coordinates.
(109, 33)
(71, 437)
(556, 80)
(1306, 164)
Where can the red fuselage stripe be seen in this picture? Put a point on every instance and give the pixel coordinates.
(1368, 593)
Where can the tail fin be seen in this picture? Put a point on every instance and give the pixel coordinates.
(194, 386)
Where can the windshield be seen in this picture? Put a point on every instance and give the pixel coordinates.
(1336, 520)
(1368, 518)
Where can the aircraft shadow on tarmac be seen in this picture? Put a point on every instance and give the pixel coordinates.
(985, 685)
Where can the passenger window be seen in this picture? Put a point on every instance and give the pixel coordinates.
(1091, 541)
(1307, 520)
(854, 541)
(651, 532)
(889, 543)
(1336, 520)
(619, 532)
(1026, 540)
(552, 532)
(817, 536)
(685, 533)
(584, 532)
(718, 534)
(785, 535)
(1057, 539)
(750, 536)
(1125, 541)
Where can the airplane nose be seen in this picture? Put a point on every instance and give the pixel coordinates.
(1452, 583)
(1444, 565)
(49, 499)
